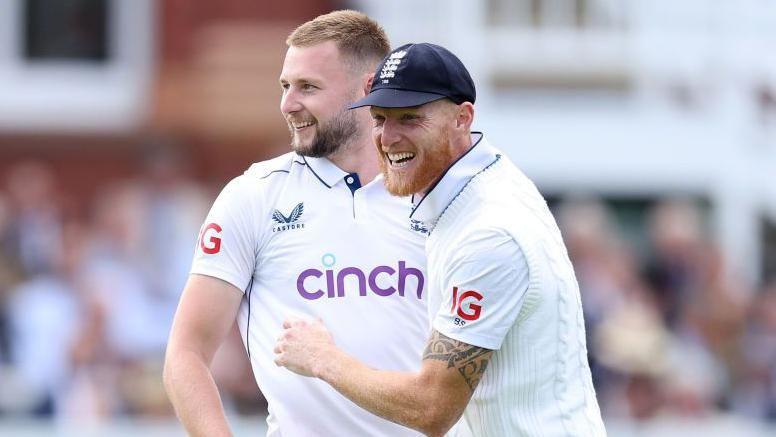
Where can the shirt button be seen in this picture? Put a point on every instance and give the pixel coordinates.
(349, 179)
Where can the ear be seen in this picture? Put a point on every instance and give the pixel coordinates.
(465, 116)
(368, 79)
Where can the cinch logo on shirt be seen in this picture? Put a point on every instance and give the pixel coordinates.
(473, 310)
(213, 243)
(314, 284)
(290, 222)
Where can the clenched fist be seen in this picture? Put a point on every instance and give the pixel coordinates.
(304, 347)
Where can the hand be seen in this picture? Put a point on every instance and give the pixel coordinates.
(304, 347)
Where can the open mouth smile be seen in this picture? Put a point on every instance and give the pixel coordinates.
(400, 159)
(302, 125)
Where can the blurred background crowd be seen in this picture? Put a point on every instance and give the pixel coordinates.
(650, 129)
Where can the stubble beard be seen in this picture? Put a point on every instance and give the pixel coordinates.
(329, 137)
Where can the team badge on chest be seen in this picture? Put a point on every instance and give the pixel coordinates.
(281, 222)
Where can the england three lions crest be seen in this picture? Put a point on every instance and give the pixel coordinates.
(418, 226)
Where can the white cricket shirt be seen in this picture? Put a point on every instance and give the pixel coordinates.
(500, 278)
(301, 237)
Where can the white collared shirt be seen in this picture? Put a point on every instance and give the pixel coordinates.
(500, 278)
(301, 237)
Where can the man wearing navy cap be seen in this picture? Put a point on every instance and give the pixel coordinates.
(507, 348)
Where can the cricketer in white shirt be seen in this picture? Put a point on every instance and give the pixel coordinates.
(506, 311)
(303, 238)
(500, 278)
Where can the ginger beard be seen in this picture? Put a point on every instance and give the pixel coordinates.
(417, 178)
(328, 136)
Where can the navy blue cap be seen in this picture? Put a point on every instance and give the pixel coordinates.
(415, 74)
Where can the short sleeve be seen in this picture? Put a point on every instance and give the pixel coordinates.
(486, 280)
(227, 242)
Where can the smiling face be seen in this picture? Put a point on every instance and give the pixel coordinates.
(415, 145)
(317, 85)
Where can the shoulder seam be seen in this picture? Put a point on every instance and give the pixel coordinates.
(272, 172)
(268, 174)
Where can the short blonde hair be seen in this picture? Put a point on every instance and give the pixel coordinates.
(360, 40)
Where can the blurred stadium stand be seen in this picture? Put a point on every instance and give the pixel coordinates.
(650, 126)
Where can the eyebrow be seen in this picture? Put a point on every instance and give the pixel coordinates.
(297, 80)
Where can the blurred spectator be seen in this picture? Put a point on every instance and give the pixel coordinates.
(45, 314)
(697, 301)
(663, 342)
(10, 274)
(632, 345)
(755, 388)
(36, 221)
(144, 231)
(675, 270)
(593, 244)
(85, 309)
(114, 273)
(618, 311)
(176, 207)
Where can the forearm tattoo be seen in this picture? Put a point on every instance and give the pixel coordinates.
(470, 361)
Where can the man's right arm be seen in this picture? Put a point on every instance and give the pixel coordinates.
(206, 312)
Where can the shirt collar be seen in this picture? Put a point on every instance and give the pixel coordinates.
(326, 171)
(429, 207)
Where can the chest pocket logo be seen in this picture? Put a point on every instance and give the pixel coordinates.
(418, 226)
(284, 223)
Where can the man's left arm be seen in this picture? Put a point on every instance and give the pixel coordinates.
(430, 401)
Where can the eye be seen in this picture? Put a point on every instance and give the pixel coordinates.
(409, 117)
(308, 87)
(285, 86)
(378, 119)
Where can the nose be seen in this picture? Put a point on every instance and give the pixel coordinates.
(389, 134)
(289, 102)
